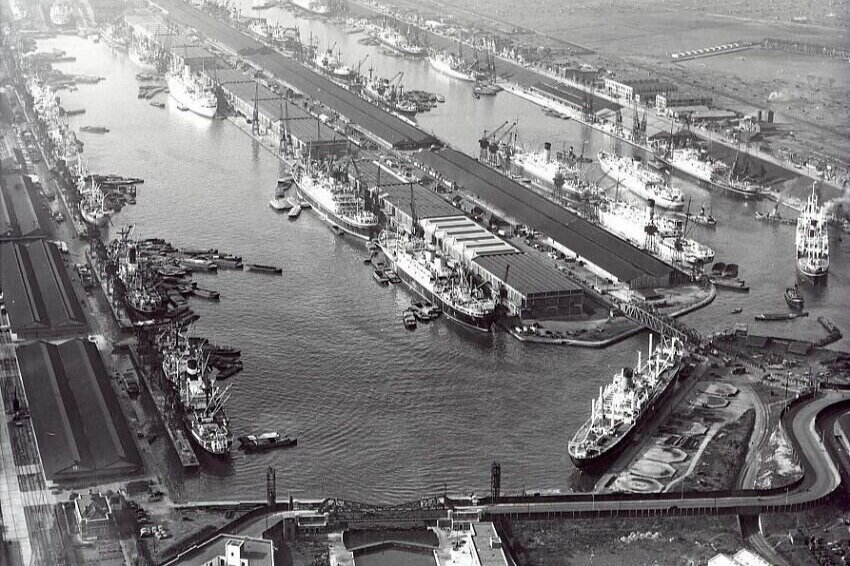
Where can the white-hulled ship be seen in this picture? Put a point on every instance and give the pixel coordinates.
(189, 91)
(201, 400)
(92, 205)
(144, 58)
(398, 42)
(813, 239)
(317, 7)
(557, 175)
(452, 65)
(714, 173)
(336, 201)
(60, 13)
(326, 62)
(430, 275)
(621, 405)
(661, 236)
(641, 180)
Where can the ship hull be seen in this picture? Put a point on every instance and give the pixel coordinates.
(308, 7)
(362, 232)
(400, 50)
(637, 186)
(215, 450)
(603, 460)
(447, 70)
(178, 92)
(481, 324)
(709, 183)
(813, 272)
(92, 219)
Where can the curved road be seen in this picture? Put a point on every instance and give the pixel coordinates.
(821, 479)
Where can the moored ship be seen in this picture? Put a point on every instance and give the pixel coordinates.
(326, 62)
(558, 174)
(317, 7)
(144, 58)
(398, 42)
(714, 173)
(428, 273)
(452, 65)
(812, 239)
(60, 13)
(190, 92)
(92, 207)
(623, 404)
(333, 198)
(390, 95)
(641, 180)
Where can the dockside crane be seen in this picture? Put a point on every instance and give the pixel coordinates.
(484, 142)
(495, 143)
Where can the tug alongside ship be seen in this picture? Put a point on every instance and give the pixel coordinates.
(624, 404)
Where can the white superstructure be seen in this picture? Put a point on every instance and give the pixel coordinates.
(639, 179)
(451, 65)
(690, 161)
(189, 91)
(337, 202)
(552, 174)
(813, 239)
(399, 43)
(317, 7)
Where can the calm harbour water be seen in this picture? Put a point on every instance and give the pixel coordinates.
(381, 414)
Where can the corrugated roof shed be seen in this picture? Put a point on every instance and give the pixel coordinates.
(574, 96)
(257, 551)
(78, 423)
(37, 290)
(614, 255)
(311, 130)
(18, 218)
(428, 203)
(528, 274)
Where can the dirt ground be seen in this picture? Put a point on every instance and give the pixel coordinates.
(614, 541)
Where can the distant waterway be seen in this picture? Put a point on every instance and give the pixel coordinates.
(381, 414)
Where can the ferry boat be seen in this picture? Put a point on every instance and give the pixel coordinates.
(386, 94)
(813, 239)
(623, 404)
(660, 235)
(452, 65)
(398, 42)
(552, 174)
(428, 273)
(641, 180)
(317, 7)
(336, 201)
(189, 91)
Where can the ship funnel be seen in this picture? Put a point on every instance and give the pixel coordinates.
(131, 254)
(547, 149)
(628, 378)
(192, 367)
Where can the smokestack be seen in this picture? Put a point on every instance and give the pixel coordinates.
(547, 148)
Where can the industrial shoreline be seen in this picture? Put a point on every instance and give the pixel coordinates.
(475, 521)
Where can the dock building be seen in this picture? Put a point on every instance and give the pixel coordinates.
(639, 88)
(279, 116)
(227, 550)
(78, 424)
(574, 98)
(669, 101)
(37, 291)
(18, 216)
(605, 254)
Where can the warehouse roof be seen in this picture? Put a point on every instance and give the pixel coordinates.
(78, 423)
(310, 130)
(527, 273)
(18, 218)
(574, 96)
(428, 203)
(255, 551)
(37, 290)
(614, 255)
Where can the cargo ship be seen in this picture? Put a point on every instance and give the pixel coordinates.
(659, 235)
(714, 173)
(435, 279)
(633, 174)
(189, 91)
(452, 65)
(813, 239)
(558, 174)
(335, 200)
(141, 298)
(390, 95)
(326, 62)
(92, 207)
(623, 404)
(316, 7)
(398, 42)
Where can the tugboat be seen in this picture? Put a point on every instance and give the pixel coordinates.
(704, 218)
(794, 298)
(265, 441)
(409, 319)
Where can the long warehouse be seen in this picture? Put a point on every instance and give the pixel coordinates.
(612, 255)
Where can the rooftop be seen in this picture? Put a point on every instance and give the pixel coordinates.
(18, 218)
(574, 95)
(466, 237)
(78, 424)
(92, 507)
(527, 273)
(428, 204)
(255, 551)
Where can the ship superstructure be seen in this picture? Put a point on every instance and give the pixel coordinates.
(812, 239)
(326, 62)
(634, 175)
(391, 95)
(452, 65)
(92, 201)
(317, 7)
(621, 405)
(61, 13)
(336, 199)
(398, 42)
(190, 92)
(558, 174)
(438, 280)
(141, 298)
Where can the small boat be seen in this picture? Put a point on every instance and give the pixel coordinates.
(94, 129)
(440, 98)
(227, 261)
(771, 317)
(283, 185)
(409, 319)
(207, 294)
(730, 284)
(717, 268)
(736, 310)
(182, 107)
(265, 441)
(280, 204)
(265, 268)
(295, 212)
(380, 277)
(393, 277)
(305, 205)
(196, 264)
(731, 270)
(704, 218)
(157, 104)
(794, 298)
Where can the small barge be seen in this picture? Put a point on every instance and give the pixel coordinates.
(265, 268)
(265, 441)
(773, 317)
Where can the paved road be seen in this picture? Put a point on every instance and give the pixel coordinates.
(822, 477)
